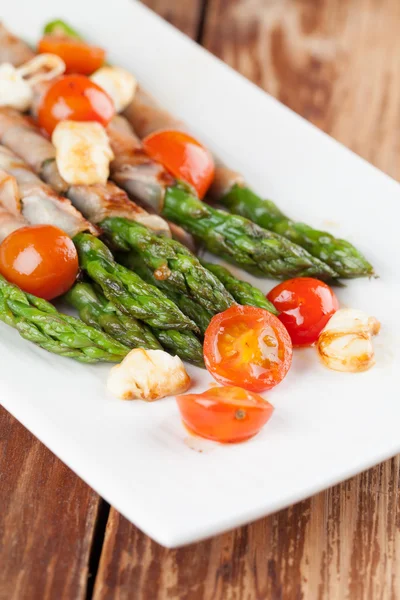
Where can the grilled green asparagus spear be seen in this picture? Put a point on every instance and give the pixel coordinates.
(39, 322)
(240, 241)
(242, 291)
(200, 315)
(95, 310)
(128, 292)
(342, 256)
(134, 297)
(173, 265)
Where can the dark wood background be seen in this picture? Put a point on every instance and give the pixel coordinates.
(337, 63)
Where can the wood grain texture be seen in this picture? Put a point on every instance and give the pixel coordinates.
(47, 517)
(344, 543)
(337, 64)
(184, 14)
(334, 62)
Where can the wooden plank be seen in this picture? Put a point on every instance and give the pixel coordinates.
(344, 543)
(47, 520)
(185, 15)
(337, 64)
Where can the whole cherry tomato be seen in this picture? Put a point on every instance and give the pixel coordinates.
(248, 347)
(305, 306)
(183, 156)
(78, 56)
(77, 98)
(41, 260)
(226, 414)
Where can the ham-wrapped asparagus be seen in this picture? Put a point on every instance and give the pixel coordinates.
(229, 190)
(230, 236)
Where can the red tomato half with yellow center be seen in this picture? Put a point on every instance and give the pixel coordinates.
(247, 347)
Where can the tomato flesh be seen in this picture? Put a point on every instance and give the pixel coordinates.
(305, 306)
(41, 260)
(183, 156)
(228, 414)
(78, 56)
(247, 347)
(77, 98)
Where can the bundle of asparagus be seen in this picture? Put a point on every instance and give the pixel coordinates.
(39, 322)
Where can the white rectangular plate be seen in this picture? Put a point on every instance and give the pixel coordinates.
(327, 426)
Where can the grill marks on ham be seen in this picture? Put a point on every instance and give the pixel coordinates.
(40, 204)
(11, 218)
(133, 170)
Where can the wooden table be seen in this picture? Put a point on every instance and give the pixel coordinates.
(337, 63)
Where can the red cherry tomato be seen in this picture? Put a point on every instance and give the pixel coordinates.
(41, 260)
(78, 56)
(183, 156)
(248, 347)
(227, 414)
(77, 98)
(305, 306)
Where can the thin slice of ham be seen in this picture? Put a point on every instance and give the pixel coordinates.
(12, 49)
(40, 204)
(133, 170)
(10, 223)
(11, 218)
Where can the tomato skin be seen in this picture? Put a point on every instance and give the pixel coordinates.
(77, 98)
(40, 259)
(305, 305)
(183, 156)
(247, 347)
(227, 415)
(78, 56)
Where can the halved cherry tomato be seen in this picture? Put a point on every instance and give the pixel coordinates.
(226, 414)
(183, 156)
(248, 347)
(78, 56)
(41, 260)
(305, 306)
(77, 98)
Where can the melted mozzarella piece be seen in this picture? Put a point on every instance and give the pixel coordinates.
(148, 375)
(119, 84)
(14, 90)
(83, 152)
(16, 83)
(345, 344)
